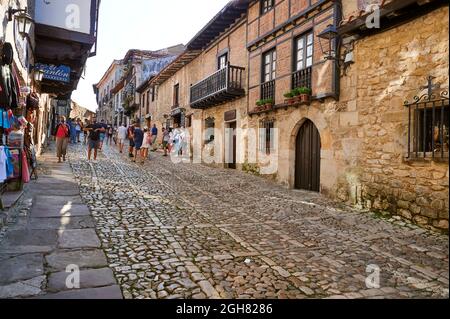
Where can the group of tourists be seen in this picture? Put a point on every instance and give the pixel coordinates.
(140, 140)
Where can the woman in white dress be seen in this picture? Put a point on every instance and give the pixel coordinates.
(146, 144)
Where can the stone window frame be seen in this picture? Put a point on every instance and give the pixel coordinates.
(266, 138)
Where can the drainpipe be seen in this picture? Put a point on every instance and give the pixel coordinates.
(336, 69)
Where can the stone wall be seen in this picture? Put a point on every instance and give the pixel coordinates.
(390, 68)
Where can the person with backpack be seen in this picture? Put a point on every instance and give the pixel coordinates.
(62, 135)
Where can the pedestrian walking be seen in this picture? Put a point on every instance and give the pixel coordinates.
(73, 132)
(103, 133)
(122, 136)
(78, 130)
(146, 144)
(171, 140)
(95, 130)
(166, 140)
(154, 134)
(110, 134)
(85, 133)
(62, 135)
(130, 134)
(138, 138)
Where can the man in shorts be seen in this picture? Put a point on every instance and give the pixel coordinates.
(94, 129)
(122, 136)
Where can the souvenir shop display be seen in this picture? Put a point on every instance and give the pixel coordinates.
(17, 154)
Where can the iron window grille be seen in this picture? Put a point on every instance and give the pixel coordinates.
(209, 130)
(428, 127)
(266, 137)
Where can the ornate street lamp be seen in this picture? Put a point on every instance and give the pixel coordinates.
(38, 75)
(24, 20)
(326, 39)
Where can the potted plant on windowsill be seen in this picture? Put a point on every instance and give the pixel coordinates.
(296, 95)
(268, 104)
(259, 105)
(305, 95)
(289, 98)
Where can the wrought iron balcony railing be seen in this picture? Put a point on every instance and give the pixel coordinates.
(220, 87)
(302, 78)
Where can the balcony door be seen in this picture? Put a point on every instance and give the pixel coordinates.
(222, 61)
(230, 145)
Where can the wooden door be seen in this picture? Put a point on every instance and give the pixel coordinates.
(307, 162)
(232, 143)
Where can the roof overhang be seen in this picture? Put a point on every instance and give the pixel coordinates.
(174, 67)
(222, 21)
(391, 14)
(58, 46)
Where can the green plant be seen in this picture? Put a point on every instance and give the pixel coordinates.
(295, 92)
(260, 102)
(269, 101)
(305, 90)
(251, 168)
(289, 95)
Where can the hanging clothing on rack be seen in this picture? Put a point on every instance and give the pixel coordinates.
(6, 166)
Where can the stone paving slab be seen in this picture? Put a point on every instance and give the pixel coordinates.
(111, 292)
(61, 223)
(92, 278)
(78, 238)
(59, 260)
(21, 268)
(43, 210)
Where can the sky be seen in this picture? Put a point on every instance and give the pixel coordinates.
(141, 24)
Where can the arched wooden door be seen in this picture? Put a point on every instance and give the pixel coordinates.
(307, 161)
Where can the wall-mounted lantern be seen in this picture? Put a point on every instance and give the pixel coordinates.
(328, 40)
(24, 20)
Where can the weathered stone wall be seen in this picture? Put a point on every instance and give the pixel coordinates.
(389, 69)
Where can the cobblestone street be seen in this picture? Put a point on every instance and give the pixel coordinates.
(190, 231)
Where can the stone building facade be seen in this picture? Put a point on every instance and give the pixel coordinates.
(354, 140)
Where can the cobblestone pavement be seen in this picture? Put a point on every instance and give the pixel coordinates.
(190, 231)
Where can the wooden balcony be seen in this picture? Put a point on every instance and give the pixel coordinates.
(222, 86)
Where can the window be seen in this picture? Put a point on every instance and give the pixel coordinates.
(153, 94)
(304, 51)
(222, 61)
(209, 130)
(430, 131)
(176, 95)
(148, 103)
(269, 65)
(266, 5)
(269, 69)
(266, 137)
(189, 121)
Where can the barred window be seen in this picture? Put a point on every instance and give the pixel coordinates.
(209, 130)
(266, 5)
(266, 137)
